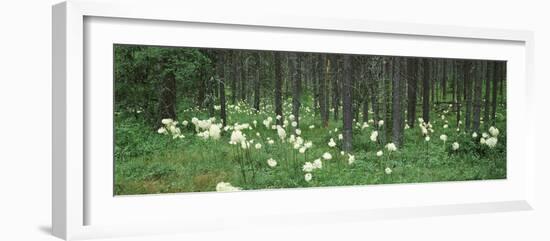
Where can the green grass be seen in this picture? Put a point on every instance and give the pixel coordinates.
(147, 162)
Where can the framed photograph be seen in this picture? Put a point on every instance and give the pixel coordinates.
(180, 121)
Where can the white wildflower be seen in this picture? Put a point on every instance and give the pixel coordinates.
(281, 133)
(331, 143)
(317, 164)
(214, 131)
(308, 167)
(351, 159)
(167, 121)
(443, 138)
(271, 162)
(388, 170)
(327, 156)
(391, 147)
(226, 187)
(308, 177)
(455, 146)
(237, 137)
(374, 136)
(258, 146)
(162, 130)
(491, 142)
(494, 131)
(379, 153)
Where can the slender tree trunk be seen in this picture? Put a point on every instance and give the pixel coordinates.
(460, 73)
(243, 63)
(477, 95)
(365, 82)
(487, 97)
(374, 75)
(388, 69)
(278, 88)
(411, 91)
(257, 82)
(322, 90)
(221, 80)
(347, 105)
(397, 116)
(235, 76)
(296, 86)
(444, 80)
(426, 91)
(496, 77)
(336, 78)
(502, 81)
(468, 75)
(168, 96)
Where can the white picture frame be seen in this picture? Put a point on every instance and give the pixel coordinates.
(83, 208)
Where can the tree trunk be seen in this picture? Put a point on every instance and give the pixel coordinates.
(278, 88)
(487, 97)
(496, 77)
(296, 86)
(397, 116)
(347, 105)
(236, 76)
(243, 63)
(468, 74)
(322, 90)
(257, 82)
(411, 91)
(221, 80)
(336, 78)
(426, 91)
(168, 96)
(477, 94)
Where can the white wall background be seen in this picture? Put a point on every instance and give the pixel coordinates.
(25, 119)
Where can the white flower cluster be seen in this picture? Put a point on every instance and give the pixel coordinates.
(374, 136)
(271, 162)
(492, 140)
(170, 128)
(226, 187)
(391, 147)
(309, 167)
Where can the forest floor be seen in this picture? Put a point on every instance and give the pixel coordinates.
(147, 162)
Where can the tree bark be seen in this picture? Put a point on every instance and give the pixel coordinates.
(168, 96)
(257, 81)
(221, 80)
(347, 105)
(296, 86)
(322, 90)
(468, 68)
(487, 97)
(397, 116)
(496, 77)
(278, 88)
(235, 75)
(477, 95)
(411, 91)
(426, 91)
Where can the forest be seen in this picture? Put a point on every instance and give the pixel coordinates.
(200, 120)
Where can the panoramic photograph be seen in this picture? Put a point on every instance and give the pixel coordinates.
(219, 120)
